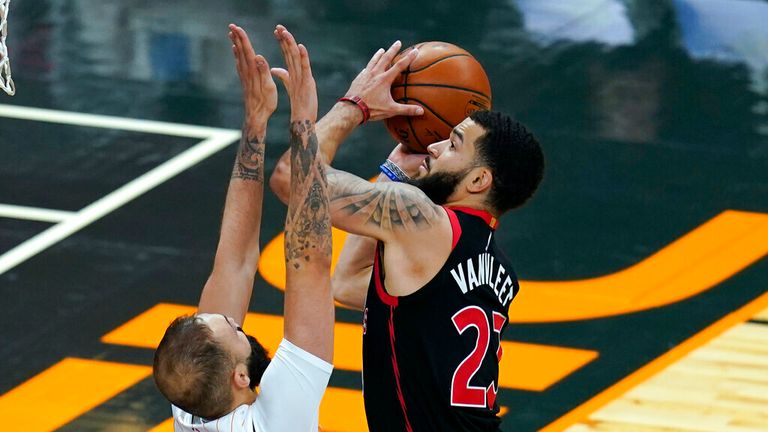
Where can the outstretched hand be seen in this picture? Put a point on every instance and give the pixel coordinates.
(297, 77)
(373, 84)
(259, 90)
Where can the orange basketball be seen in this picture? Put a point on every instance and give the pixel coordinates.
(448, 82)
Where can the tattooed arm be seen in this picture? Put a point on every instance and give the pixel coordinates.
(386, 211)
(353, 269)
(416, 233)
(331, 131)
(309, 311)
(373, 86)
(228, 289)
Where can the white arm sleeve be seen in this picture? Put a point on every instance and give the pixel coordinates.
(291, 390)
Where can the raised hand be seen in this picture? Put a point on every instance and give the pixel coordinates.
(259, 90)
(297, 77)
(308, 301)
(373, 84)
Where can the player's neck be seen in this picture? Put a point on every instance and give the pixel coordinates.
(243, 397)
(473, 201)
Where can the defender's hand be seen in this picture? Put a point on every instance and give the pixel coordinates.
(259, 90)
(298, 80)
(373, 84)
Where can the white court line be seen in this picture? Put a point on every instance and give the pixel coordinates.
(108, 122)
(33, 213)
(116, 199)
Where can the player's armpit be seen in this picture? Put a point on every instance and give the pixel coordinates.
(352, 275)
(384, 211)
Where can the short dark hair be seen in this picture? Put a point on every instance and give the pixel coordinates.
(191, 369)
(514, 156)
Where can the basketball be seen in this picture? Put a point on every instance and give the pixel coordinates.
(448, 82)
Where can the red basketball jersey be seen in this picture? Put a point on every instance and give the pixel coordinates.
(430, 359)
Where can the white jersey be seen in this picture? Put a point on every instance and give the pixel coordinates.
(288, 400)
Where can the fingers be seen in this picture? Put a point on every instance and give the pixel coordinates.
(279, 35)
(402, 64)
(245, 58)
(282, 75)
(244, 40)
(306, 68)
(388, 56)
(400, 148)
(296, 59)
(263, 68)
(237, 36)
(248, 54)
(375, 59)
(289, 48)
(237, 53)
(278, 31)
(409, 110)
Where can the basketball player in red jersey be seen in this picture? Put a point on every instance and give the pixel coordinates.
(423, 263)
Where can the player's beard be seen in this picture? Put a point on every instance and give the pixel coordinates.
(257, 362)
(439, 186)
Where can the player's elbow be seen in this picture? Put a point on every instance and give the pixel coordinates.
(347, 294)
(280, 181)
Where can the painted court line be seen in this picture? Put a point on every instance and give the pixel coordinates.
(108, 122)
(116, 199)
(583, 411)
(65, 391)
(33, 213)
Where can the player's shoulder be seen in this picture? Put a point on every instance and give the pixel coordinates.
(298, 357)
(410, 195)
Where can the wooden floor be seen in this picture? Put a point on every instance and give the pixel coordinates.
(720, 387)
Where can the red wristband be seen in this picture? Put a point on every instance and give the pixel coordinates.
(360, 104)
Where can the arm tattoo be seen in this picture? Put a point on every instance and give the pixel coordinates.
(308, 223)
(389, 206)
(249, 164)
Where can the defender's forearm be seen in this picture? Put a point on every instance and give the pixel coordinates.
(228, 289)
(331, 131)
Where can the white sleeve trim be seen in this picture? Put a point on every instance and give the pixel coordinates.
(316, 361)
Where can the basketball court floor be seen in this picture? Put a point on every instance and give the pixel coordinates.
(644, 293)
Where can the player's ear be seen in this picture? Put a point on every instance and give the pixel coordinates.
(240, 376)
(481, 179)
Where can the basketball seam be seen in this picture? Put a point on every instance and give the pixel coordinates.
(444, 86)
(405, 99)
(408, 119)
(437, 61)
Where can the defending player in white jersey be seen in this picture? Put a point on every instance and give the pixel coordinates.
(206, 366)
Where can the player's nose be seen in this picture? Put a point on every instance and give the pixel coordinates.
(434, 149)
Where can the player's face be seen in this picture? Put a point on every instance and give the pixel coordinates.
(229, 334)
(455, 154)
(244, 348)
(448, 163)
